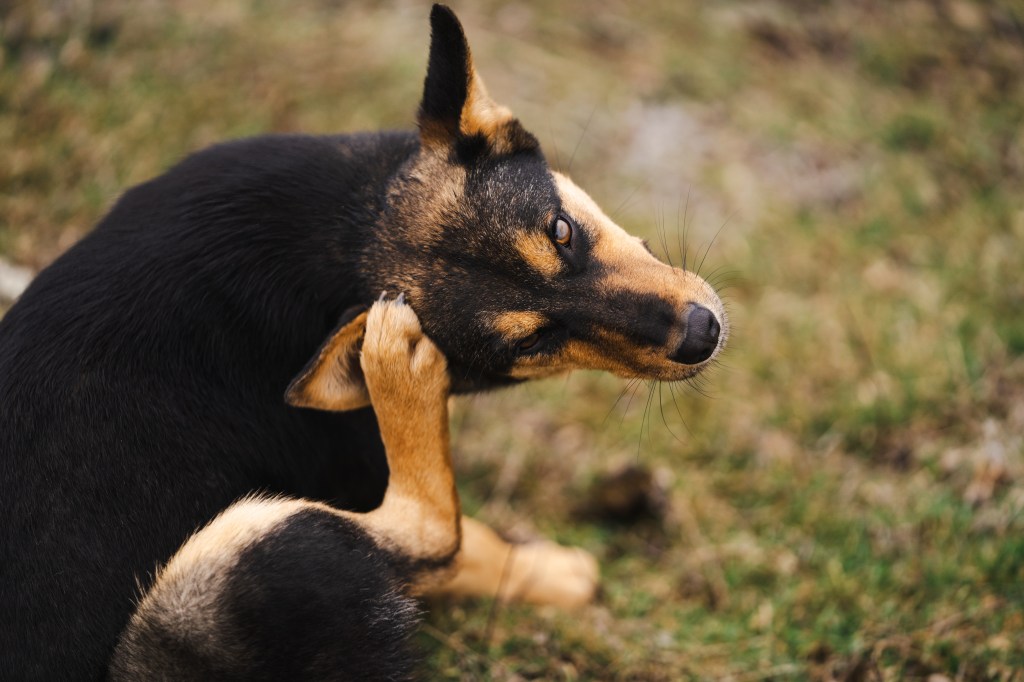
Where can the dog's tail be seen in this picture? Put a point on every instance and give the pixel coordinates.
(273, 589)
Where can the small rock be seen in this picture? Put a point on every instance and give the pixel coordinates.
(14, 279)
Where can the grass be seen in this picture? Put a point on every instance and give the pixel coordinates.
(847, 499)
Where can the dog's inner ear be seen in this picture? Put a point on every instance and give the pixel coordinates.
(456, 107)
(333, 380)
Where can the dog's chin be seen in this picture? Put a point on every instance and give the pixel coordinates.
(667, 371)
(463, 385)
(668, 375)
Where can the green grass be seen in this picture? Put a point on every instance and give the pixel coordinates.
(825, 511)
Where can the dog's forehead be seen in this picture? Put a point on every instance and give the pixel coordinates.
(505, 194)
(522, 183)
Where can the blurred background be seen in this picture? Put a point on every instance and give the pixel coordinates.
(843, 496)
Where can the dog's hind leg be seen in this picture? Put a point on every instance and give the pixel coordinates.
(487, 566)
(272, 589)
(292, 589)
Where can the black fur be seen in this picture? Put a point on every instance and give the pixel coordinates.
(447, 83)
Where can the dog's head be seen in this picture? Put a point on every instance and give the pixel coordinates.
(514, 272)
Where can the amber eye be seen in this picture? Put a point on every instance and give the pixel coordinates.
(563, 232)
(529, 342)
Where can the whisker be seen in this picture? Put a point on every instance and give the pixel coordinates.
(712, 242)
(696, 386)
(647, 410)
(636, 385)
(614, 214)
(629, 385)
(661, 408)
(679, 244)
(726, 279)
(705, 383)
(682, 244)
(659, 223)
(675, 402)
(554, 144)
(586, 127)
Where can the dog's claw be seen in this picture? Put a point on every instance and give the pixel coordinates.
(401, 298)
(383, 296)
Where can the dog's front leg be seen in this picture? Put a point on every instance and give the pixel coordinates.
(538, 573)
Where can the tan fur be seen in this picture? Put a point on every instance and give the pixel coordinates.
(537, 250)
(610, 353)
(515, 325)
(334, 381)
(419, 517)
(537, 573)
(430, 193)
(482, 116)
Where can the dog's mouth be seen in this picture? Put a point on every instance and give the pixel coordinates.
(698, 351)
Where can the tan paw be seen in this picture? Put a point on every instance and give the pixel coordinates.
(549, 574)
(401, 365)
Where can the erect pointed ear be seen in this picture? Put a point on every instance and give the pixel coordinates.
(333, 379)
(455, 105)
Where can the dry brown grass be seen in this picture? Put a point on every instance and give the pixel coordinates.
(848, 501)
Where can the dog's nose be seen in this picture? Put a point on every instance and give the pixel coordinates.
(701, 338)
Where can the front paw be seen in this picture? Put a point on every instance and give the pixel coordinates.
(546, 573)
(398, 360)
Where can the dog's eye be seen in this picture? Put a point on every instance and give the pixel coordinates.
(529, 343)
(562, 231)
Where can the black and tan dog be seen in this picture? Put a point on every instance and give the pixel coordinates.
(142, 375)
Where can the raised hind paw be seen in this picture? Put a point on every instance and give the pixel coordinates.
(404, 370)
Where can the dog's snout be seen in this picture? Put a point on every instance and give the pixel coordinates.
(701, 340)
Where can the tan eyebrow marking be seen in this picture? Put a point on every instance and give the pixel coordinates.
(515, 325)
(538, 251)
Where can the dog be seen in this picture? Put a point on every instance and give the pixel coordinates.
(216, 355)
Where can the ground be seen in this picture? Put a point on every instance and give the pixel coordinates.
(843, 496)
